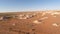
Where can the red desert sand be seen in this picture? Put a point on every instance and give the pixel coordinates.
(43, 22)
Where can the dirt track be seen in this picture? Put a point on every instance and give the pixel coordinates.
(32, 23)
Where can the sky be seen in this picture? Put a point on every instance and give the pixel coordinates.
(25, 5)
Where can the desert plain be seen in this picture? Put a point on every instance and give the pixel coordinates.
(38, 22)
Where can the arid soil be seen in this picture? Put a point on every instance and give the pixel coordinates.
(47, 22)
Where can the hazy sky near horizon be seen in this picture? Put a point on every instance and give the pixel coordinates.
(19, 5)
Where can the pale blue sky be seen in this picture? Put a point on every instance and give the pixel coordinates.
(19, 5)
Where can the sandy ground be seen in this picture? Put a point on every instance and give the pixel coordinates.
(31, 23)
